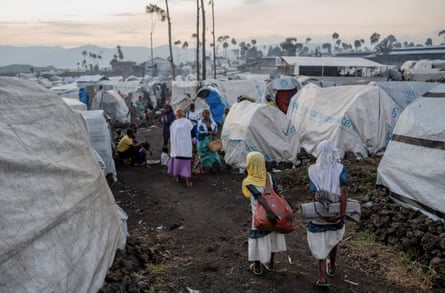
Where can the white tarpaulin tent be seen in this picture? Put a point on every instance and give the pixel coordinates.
(358, 118)
(258, 127)
(75, 104)
(113, 105)
(404, 92)
(60, 226)
(100, 138)
(184, 92)
(413, 167)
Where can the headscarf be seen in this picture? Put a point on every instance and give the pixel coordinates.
(256, 172)
(325, 173)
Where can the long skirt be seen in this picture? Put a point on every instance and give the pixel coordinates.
(180, 167)
(261, 248)
(322, 238)
(208, 158)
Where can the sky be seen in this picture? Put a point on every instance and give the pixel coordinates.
(108, 23)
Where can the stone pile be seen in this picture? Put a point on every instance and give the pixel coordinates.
(420, 237)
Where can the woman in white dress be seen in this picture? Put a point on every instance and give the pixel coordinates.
(323, 235)
(262, 244)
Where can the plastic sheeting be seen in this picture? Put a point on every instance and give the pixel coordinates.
(113, 105)
(404, 92)
(416, 171)
(184, 92)
(357, 118)
(60, 226)
(100, 138)
(258, 127)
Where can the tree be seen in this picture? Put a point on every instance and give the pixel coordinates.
(357, 44)
(119, 52)
(429, 42)
(442, 32)
(374, 39)
(156, 13)
(289, 46)
(170, 46)
(386, 45)
(203, 14)
(328, 47)
(212, 4)
(197, 39)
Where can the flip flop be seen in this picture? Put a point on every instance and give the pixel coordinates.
(324, 285)
(328, 271)
(268, 268)
(252, 269)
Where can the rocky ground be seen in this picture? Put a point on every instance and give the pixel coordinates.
(181, 239)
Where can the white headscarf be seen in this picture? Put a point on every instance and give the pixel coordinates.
(325, 173)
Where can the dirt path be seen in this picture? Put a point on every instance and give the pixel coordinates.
(196, 238)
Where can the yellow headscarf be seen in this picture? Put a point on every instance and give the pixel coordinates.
(256, 172)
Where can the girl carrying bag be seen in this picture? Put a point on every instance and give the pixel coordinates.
(279, 206)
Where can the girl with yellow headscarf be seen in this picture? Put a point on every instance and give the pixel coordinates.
(262, 244)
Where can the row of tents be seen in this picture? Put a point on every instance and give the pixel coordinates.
(403, 121)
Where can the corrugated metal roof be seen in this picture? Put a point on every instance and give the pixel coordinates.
(331, 61)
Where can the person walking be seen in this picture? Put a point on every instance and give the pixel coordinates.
(262, 245)
(323, 235)
(167, 119)
(181, 149)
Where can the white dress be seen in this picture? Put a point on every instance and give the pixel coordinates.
(261, 248)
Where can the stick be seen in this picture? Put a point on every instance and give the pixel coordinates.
(350, 282)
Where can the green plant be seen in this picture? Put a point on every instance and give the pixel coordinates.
(154, 269)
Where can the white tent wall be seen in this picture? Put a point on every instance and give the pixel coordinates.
(359, 118)
(404, 92)
(258, 127)
(75, 104)
(60, 226)
(113, 105)
(100, 138)
(416, 172)
(184, 92)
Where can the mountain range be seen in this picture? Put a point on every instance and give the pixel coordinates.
(68, 58)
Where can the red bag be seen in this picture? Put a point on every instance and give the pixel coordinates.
(281, 208)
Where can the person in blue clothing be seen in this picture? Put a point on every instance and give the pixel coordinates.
(323, 235)
(207, 129)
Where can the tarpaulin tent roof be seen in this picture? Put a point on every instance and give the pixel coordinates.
(113, 105)
(405, 92)
(358, 118)
(60, 226)
(413, 166)
(258, 127)
(331, 61)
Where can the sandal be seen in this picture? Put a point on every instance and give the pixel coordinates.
(189, 185)
(268, 267)
(252, 269)
(328, 269)
(324, 285)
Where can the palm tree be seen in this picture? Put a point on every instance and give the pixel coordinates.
(429, 42)
(335, 37)
(442, 32)
(357, 44)
(170, 41)
(197, 40)
(119, 52)
(328, 47)
(212, 4)
(203, 40)
(154, 10)
(374, 39)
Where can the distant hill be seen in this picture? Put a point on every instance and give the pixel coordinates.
(63, 58)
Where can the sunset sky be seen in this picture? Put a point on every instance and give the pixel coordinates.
(107, 23)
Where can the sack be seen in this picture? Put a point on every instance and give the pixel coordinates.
(215, 145)
(281, 208)
(316, 210)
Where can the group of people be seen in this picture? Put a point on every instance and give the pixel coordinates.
(323, 235)
(187, 135)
